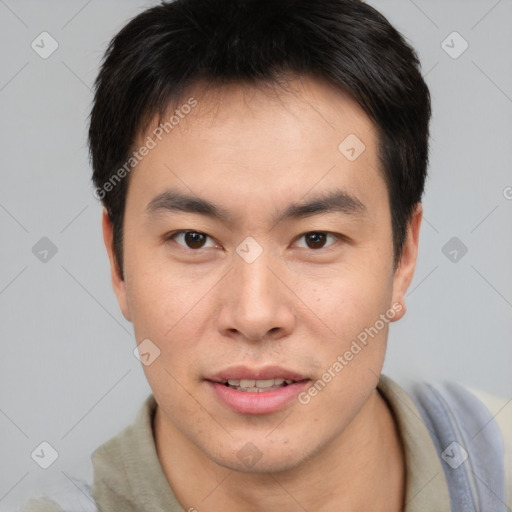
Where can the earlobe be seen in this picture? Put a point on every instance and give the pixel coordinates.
(118, 283)
(405, 271)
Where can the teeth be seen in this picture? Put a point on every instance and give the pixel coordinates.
(257, 386)
(265, 383)
(257, 390)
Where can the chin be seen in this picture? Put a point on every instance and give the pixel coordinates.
(258, 456)
(264, 466)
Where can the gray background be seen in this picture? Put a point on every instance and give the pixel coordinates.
(67, 372)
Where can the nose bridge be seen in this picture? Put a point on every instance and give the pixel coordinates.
(254, 283)
(255, 301)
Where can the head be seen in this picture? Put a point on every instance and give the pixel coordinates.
(261, 166)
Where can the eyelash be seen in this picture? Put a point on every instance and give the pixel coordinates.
(336, 236)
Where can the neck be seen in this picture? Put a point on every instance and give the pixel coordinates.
(362, 469)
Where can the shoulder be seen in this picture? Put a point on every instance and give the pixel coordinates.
(75, 497)
(49, 505)
(480, 423)
(41, 505)
(104, 468)
(501, 410)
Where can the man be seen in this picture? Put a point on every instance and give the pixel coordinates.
(261, 166)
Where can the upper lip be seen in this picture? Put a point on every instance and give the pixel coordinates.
(267, 372)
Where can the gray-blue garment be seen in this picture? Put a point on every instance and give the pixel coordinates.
(469, 444)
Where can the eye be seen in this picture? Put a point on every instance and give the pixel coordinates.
(317, 239)
(190, 239)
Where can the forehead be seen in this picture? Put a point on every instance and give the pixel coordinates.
(304, 103)
(262, 141)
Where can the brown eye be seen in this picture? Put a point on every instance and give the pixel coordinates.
(194, 240)
(315, 240)
(318, 240)
(190, 239)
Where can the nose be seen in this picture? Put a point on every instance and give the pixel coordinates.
(256, 303)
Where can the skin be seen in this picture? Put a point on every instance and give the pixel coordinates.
(254, 153)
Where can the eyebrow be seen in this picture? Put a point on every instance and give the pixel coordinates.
(334, 201)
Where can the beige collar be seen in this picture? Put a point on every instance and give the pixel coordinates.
(426, 488)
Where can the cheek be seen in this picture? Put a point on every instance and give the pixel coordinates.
(172, 309)
(352, 354)
(158, 294)
(347, 301)
(163, 311)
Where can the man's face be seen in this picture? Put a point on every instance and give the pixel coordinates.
(265, 292)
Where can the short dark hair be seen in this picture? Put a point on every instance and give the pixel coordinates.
(154, 60)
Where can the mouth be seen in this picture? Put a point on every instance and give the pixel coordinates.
(257, 391)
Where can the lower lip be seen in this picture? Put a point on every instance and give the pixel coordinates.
(264, 402)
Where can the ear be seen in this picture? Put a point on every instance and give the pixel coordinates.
(118, 283)
(405, 271)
